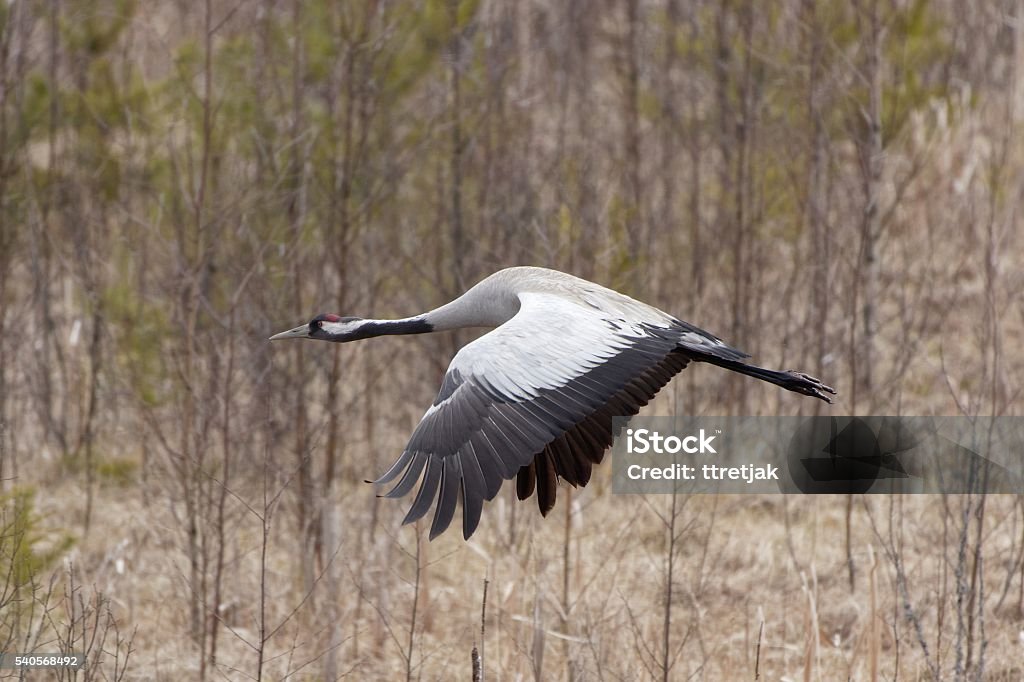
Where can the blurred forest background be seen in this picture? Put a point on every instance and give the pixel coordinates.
(829, 185)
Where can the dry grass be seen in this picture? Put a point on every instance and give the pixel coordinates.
(742, 561)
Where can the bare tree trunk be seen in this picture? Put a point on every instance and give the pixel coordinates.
(872, 160)
(666, 625)
(694, 147)
(458, 240)
(537, 644)
(418, 588)
(816, 186)
(227, 395)
(307, 495)
(13, 42)
(741, 188)
(635, 238)
(582, 88)
(1017, 90)
(670, 125)
(340, 214)
(727, 209)
(566, 624)
(192, 449)
(51, 403)
(95, 370)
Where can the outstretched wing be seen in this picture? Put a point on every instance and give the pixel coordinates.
(534, 400)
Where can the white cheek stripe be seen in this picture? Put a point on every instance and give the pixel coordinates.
(339, 327)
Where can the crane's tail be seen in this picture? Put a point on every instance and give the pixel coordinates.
(789, 380)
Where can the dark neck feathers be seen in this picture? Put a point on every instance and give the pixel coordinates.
(372, 328)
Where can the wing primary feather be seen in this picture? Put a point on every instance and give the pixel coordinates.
(590, 437)
(580, 444)
(473, 490)
(407, 481)
(571, 394)
(427, 491)
(546, 483)
(535, 431)
(545, 411)
(564, 468)
(490, 469)
(487, 448)
(395, 469)
(525, 480)
(451, 481)
(572, 465)
(519, 440)
(504, 431)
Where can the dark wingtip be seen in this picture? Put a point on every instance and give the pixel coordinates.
(811, 386)
(819, 392)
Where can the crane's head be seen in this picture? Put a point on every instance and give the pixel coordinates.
(325, 326)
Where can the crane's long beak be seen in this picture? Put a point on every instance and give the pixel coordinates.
(297, 333)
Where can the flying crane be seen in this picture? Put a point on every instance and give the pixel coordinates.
(534, 399)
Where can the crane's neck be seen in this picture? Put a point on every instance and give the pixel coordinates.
(481, 306)
(355, 329)
(478, 307)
